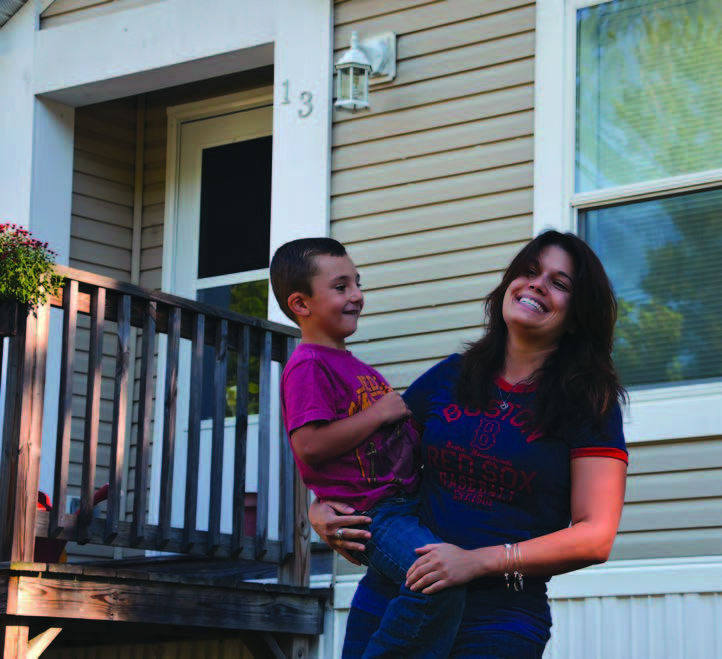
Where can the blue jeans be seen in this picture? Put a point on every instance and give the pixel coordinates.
(471, 643)
(414, 625)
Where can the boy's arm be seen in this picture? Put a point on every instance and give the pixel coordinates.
(319, 441)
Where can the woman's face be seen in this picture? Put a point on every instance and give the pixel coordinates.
(537, 303)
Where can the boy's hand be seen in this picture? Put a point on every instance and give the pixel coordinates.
(391, 408)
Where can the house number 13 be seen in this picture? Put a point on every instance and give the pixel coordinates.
(305, 99)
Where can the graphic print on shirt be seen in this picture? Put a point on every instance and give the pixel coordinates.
(380, 457)
(470, 473)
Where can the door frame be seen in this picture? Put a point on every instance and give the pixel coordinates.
(177, 116)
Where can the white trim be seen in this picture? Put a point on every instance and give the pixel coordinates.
(549, 111)
(648, 189)
(230, 280)
(653, 413)
(699, 574)
(177, 116)
(648, 577)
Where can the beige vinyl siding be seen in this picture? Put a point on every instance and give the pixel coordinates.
(674, 500)
(100, 242)
(432, 188)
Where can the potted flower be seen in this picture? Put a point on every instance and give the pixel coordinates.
(27, 275)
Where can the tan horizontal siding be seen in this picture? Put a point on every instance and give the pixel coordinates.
(101, 243)
(432, 188)
(426, 295)
(445, 239)
(459, 85)
(454, 213)
(392, 351)
(438, 267)
(433, 141)
(434, 191)
(424, 16)
(443, 113)
(346, 12)
(435, 166)
(673, 505)
(481, 28)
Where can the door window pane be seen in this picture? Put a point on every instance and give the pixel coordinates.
(649, 98)
(235, 222)
(250, 298)
(664, 258)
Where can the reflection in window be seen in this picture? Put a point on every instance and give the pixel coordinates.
(649, 98)
(251, 299)
(663, 257)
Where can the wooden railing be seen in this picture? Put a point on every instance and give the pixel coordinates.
(185, 322)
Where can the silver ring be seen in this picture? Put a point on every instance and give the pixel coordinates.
(338, 533)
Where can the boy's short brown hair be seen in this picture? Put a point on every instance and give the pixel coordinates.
(294, 265)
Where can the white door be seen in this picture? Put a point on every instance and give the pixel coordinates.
(221, 257)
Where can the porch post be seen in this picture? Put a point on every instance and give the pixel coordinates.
(22, 437)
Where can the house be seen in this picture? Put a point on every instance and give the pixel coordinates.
(126, 121)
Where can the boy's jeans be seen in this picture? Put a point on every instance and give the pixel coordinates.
(414, 625)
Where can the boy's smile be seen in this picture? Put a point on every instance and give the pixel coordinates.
(334, 307)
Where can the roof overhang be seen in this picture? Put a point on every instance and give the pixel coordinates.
(8, 9)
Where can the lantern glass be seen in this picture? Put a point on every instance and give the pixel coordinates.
(358, 84)
(344, 83)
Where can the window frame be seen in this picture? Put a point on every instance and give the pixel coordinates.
(654, 413)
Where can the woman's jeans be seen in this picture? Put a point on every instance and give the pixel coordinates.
(471, 642)
(414, 625)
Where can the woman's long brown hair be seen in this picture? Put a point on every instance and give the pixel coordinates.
(578, 383)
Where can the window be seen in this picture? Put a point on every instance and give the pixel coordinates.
(234, 239)
(639, 176)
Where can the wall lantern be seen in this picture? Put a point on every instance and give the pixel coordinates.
(369, 62)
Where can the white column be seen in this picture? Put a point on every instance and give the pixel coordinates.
(301, 124)
(16, 115)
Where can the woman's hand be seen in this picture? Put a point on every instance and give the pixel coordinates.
(332, 521)
(440, 566)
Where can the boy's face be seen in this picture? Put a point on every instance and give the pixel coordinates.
(334, 307)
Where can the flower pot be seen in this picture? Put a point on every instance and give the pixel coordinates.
(10, 311)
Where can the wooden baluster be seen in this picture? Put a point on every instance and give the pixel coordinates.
(145, 407)
(219, 417)
(65, 406)
(264, 444)
(92, 413)
(194, 429)
(241, 437)
(169, 423)
(120, 407)
(286, 495)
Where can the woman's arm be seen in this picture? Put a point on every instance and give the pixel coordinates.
(597, 496)
(328, 516)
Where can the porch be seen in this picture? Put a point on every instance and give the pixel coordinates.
(235, 559)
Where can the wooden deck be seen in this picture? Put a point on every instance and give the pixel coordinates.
(60, 592)
(52, 596)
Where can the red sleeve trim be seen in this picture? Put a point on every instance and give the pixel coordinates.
(600, 452)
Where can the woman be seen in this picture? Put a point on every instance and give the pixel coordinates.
(524, 458)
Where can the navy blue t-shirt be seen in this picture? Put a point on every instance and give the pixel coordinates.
(489, 480)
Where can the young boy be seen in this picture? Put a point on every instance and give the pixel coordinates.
(353, 442)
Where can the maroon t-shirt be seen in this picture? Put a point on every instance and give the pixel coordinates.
(326, 384)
